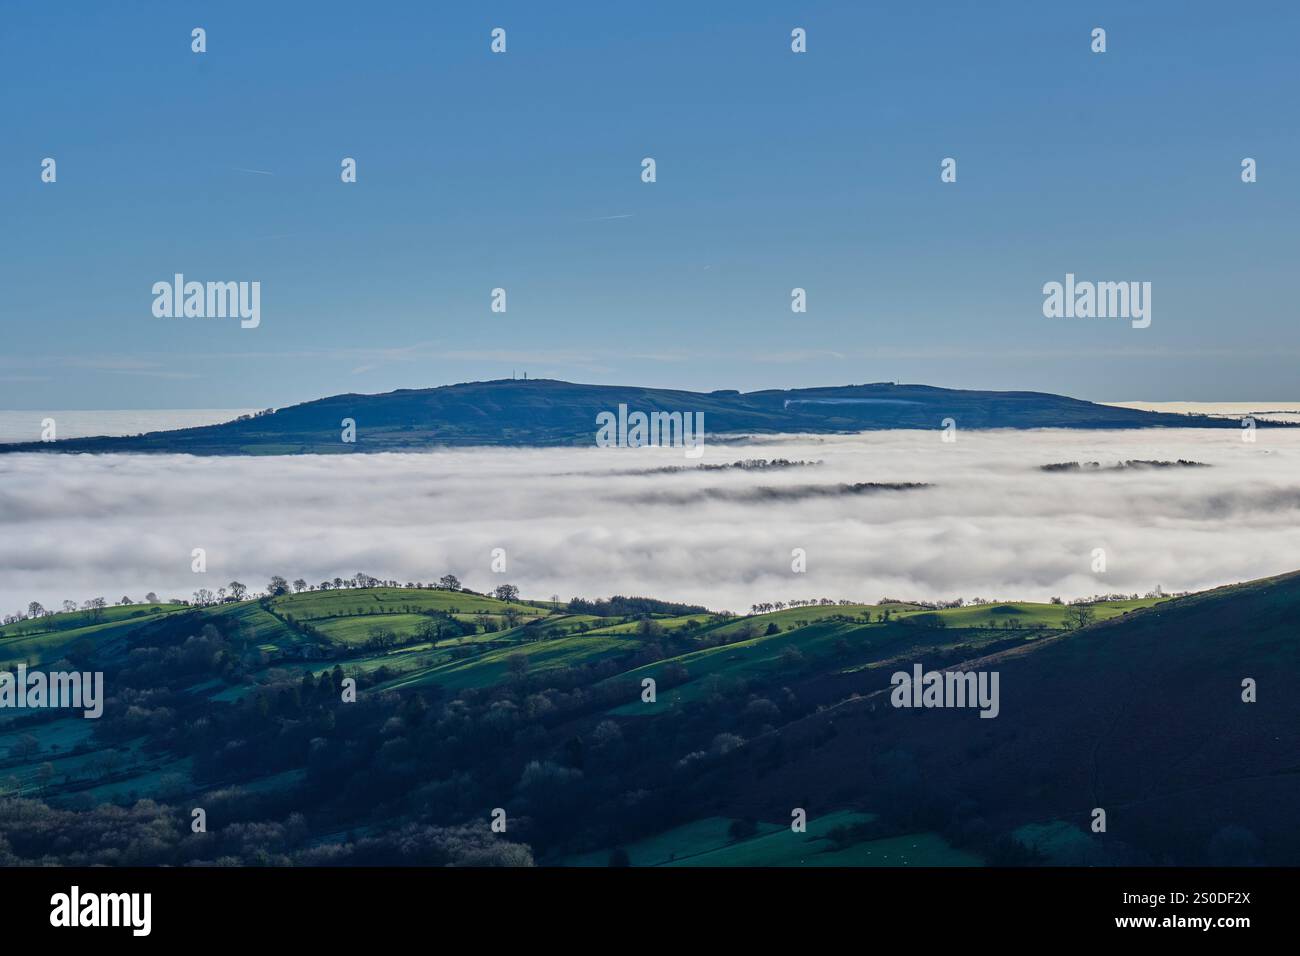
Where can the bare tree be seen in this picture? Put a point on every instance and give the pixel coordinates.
(1079, 615)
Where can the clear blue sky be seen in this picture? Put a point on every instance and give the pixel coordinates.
(522, 170)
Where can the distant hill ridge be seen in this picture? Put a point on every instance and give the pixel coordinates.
(541, 412)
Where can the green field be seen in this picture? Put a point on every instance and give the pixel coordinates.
(493, 666)
(46, 647)
(358, 602)
(74, 620)
(708, 842)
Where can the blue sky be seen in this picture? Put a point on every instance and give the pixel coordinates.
(522, 170)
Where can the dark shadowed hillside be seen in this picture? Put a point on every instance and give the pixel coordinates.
(546, 412)
(1141, 716)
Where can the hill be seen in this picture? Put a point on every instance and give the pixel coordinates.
(1141, 715)
(546, 412)
(467, 702)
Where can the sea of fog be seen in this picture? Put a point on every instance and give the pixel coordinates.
(30, 425)
(1260, 411)
(600, 521)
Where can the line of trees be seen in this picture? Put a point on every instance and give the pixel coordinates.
(235, 591)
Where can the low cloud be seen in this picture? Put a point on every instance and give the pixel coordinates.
(991, 524)
(767, 493)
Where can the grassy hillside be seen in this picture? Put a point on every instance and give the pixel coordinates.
(465, 702)
(1141, 715)
(836, 839)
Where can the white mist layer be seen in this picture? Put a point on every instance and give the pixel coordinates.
(992, 524)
